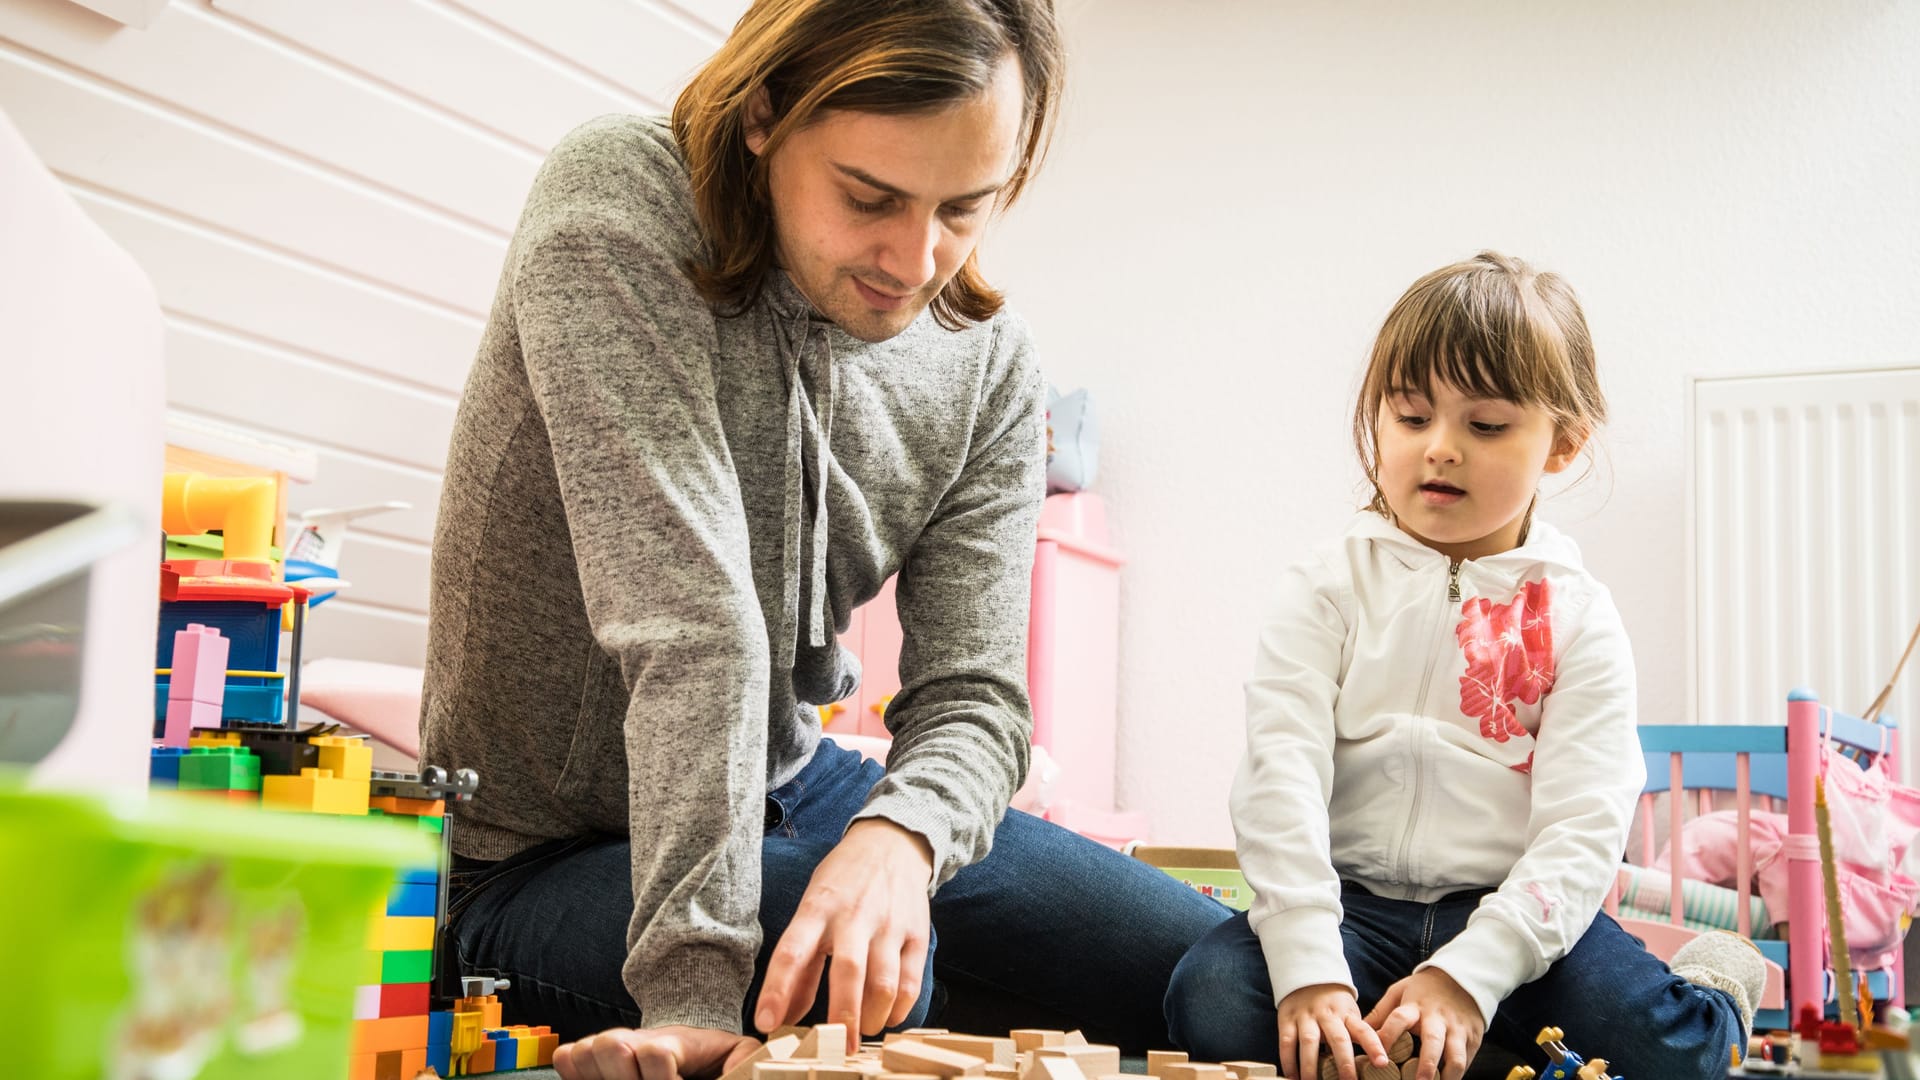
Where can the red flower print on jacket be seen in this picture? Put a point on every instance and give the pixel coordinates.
(1509, 651)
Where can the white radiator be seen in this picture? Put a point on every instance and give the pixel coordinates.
(1804, 518)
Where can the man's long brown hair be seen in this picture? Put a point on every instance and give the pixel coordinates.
(881, 56)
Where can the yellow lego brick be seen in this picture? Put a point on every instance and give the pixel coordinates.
(315, 791)
(347, 759)
(401, 933)
(526, 1046)
(213, 737)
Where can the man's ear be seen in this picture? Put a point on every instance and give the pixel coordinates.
(1566, 447)
(759, 120)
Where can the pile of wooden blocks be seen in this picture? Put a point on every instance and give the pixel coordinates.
(820, 1053)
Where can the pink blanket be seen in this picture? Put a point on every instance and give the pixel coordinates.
(1875, 822)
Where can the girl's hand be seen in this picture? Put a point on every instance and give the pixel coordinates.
(1324, 1014)
(1434, 1007)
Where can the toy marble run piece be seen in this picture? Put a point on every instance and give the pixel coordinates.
(242, 509)
(1566, 1065)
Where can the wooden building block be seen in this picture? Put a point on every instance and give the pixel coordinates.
(914, 1056)
(1365, 1069)
(1093, 1060)
(1402, 1048)
(776, 1048)
(1035, 1038)
(1074, 1038)
(1045, 1066)
(1158, 1060)
(999, 1052)
(1249, 1070)
(824, 1043)
(782, 1070)
(1193, 1070)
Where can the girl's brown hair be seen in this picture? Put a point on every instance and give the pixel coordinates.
(1491, 327)
(881, 56)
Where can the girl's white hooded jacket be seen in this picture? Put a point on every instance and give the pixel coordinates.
(1420, 727)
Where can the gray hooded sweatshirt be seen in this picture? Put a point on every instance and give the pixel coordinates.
(654, 521)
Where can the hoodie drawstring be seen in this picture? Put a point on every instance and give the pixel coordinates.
(806, 464)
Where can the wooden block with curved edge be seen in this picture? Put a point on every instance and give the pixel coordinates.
(914, 1056)
(1158, 1060)
(1364, 1069)
(1402, 1048)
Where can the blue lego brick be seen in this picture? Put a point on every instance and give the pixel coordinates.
(440, 1042)
(425, 875)
(253, 701)
(164, 770)
(410, 900)
(506, 1051)
(251, 629)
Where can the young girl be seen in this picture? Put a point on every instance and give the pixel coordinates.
(1441, 757)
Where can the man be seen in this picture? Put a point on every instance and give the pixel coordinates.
(739, 372)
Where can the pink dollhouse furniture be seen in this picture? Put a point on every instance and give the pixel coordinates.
(1692, 763)
(1073, 666)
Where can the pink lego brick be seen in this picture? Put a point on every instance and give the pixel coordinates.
(198, 686)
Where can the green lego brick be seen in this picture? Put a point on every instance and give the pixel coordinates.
(220, 768)
(409, 966)
(431, 824)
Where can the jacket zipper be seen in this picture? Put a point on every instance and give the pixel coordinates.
(1402, 870)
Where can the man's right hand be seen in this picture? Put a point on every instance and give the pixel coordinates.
(667, 1053)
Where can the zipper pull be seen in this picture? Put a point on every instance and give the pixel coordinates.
(1453, 582)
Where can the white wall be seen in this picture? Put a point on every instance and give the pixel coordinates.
(1242, 189)
(322, 194)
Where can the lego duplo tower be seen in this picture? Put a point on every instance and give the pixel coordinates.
(226, 725)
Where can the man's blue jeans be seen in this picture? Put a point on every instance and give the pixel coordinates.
(1050, 930)
(1613, 998)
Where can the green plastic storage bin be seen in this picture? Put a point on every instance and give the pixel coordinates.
(176, 938)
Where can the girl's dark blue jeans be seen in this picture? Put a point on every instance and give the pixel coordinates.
(1613, 998)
